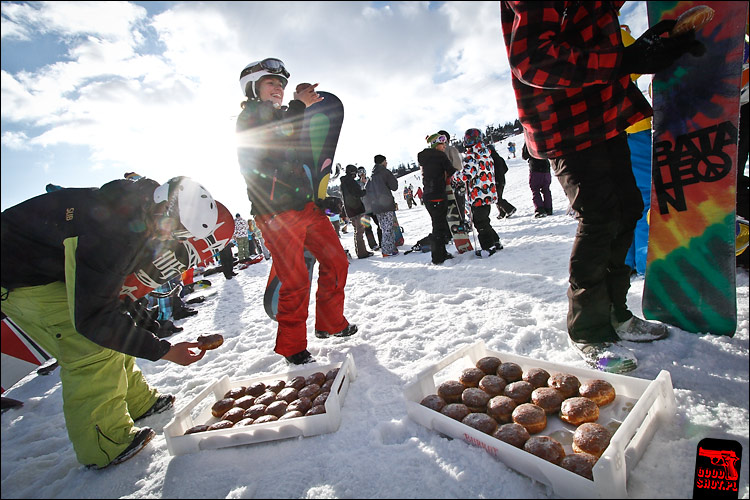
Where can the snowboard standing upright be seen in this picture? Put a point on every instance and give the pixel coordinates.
(457, 228)
(690, 270)
(321, 127)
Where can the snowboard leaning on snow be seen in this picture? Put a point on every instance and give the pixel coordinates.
(321, 127)
(690, 270)
(177, 256)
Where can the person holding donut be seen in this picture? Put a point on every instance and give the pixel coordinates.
(571, 77)
(283, 204)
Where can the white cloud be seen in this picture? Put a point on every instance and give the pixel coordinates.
(15, 140)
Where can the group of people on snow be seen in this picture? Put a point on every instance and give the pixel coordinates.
(66, 253)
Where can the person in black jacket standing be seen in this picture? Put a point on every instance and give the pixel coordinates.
(65, 257)
(436, 170)
(504, 207)
(352, 193)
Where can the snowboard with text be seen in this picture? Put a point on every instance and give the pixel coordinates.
(319, 137)
(690, 270)
(173, 257)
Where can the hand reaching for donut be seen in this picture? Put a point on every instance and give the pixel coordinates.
(182, 355)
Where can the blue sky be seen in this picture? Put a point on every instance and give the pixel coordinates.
(91, 90)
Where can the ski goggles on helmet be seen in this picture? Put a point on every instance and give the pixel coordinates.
(270, 65)
(435, 139)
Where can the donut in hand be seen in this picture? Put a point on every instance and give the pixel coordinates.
(210, 341)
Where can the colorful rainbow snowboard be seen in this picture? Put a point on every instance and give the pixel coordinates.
(690, 270)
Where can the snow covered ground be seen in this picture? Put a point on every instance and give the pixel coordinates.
(410, 315)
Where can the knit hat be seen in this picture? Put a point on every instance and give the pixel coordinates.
(379, 159)
(435, 139)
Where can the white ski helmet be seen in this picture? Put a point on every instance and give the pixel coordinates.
(257, 69)
(189, 203)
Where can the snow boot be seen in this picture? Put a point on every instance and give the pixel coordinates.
(605, 356)
(301, 358)
(141, 439)
(638, 330)
(163, 403)
(346, 332)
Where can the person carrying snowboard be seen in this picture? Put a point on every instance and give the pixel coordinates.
(478, 174)
(283, 205)
(571, 78)
(65, 257)
(436, 168)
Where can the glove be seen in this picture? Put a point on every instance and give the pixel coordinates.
(652, 53)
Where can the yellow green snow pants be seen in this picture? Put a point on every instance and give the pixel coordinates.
(103, 390)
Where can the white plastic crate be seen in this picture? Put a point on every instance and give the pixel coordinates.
(198, 412)
(633, 416)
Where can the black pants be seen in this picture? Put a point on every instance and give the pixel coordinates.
(226, 259)
(503, 206)
(438, 211)
(480, 216)
(601, 188)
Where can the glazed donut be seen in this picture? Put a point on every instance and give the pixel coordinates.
(433, 402)
(567, 384)
(492, 385)
(475, 398)
(481, 422)
(501, 409)
(692, 19)
(331, 374)
(470, 377)
(234, 415)
(580, 463)
(451, 391)
(489, 365)
(287, 394)
(320, 399)
(211, 341)
(316, 410)
(291, 414)
(255, 411)
(296, 383)
(235, 393)
(316, 378)
(245, 402)
(277, 408)
(266, 398)
(577, 411)
(591, 438)
(456, 411)
(519, 391)
(309, 391)
(275, 386)
(245, 422)
(221, 407)
(545, 448)
(266, 418)
(537, 377)
(301, 405)
(513, 434)
(255, 389)
(197, 428)
(599, 391)
(547, 398)
(511, 372)
(531, 416)
(221, 424)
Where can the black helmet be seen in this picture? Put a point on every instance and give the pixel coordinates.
(351, 170)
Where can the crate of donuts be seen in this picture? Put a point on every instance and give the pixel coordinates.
(303, 402)
(574, 429)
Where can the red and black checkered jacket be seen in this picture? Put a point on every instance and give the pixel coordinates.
(565, 59)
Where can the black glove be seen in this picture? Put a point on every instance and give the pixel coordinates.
(652, 53)
(331, 203)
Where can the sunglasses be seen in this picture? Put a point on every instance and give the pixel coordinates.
(271, 65)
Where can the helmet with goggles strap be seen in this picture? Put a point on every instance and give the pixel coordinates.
(472, 136)
(189, 203)
(435, 139)
(258, 69)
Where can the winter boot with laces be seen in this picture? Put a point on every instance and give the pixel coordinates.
(141, 439)
(301, 358)
(605, 356)
(638, 330)
(346, 332)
